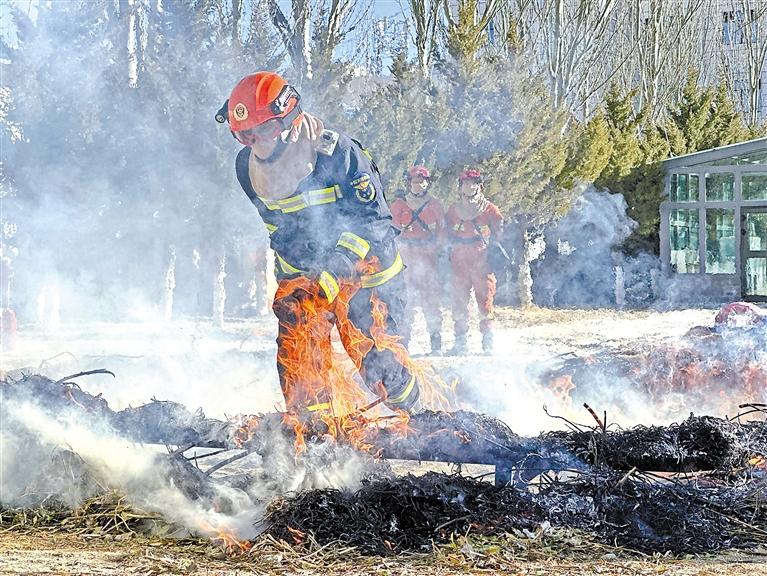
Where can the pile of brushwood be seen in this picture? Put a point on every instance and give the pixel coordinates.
(638, 511)
(695, 486)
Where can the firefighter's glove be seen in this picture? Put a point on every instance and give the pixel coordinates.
(309, 128)
(288, 309)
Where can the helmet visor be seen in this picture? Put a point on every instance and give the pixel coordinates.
(266, 132)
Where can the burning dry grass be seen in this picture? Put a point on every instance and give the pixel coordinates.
(462, 534)
(709, 370)
(113, 535)
(595, 480)
(612, 495)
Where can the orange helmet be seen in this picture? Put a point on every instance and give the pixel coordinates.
(261, 106)
(470, 175)
(421, 171)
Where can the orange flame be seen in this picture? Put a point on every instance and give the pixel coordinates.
(245, 430)
(462, 436)
(224, 538)
(315, 375)
(708, 381)
(298, 536)
(561, 387)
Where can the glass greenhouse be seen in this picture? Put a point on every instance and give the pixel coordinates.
(714, 220)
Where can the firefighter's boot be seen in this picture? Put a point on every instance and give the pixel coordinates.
(487, 343)
(310, 421)
(405, 397)
(436, 344)
(460, 348)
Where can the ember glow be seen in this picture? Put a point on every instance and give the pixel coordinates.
(561, 386)
(708, 370)
(298, 536)
(223, 537)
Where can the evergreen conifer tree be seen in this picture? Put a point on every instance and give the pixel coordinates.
(588, 153)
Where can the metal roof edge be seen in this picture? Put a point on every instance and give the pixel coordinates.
(713, 154)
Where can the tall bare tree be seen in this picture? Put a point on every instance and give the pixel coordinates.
(574, 37)
(744, 48)
(467, 24)
(512, 26)
(333, 21)
(314, 30)
(425, 16)
(584, 47)
(666, 35)
(295, 33)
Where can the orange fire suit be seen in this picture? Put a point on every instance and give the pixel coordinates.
(468, 259)
(422, 234)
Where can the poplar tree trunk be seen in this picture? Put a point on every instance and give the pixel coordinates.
(219, 292)
(170, 286)
(524, 275)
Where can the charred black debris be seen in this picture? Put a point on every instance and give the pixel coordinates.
(695, 486)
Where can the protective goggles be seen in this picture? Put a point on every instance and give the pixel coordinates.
(282, 101)
(266, 132)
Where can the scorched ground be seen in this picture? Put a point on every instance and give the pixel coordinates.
(179, 362)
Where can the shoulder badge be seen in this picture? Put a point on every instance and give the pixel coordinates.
(363, 188)
(327, 142)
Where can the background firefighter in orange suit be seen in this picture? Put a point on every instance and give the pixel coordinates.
(320, 197)
(421, 218)
(473, 222)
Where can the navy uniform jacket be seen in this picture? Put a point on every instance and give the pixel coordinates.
(336, 217)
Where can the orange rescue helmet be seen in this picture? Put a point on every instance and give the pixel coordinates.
(261, 106)
(470, 175)
(418, 170)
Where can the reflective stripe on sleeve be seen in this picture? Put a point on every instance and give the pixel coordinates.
(382, 277)
(303, 199)
(329, 285)
(355, 244)
(316, 407)
(287, 268)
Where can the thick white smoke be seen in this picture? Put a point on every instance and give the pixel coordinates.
(34, 443)
(577, 268)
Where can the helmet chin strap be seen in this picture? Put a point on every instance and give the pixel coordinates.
(281, 145)
(279, 149)
(475, 198)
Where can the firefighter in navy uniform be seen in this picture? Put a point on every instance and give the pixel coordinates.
(320, 196)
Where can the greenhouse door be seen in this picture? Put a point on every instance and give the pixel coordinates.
(754, 258)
